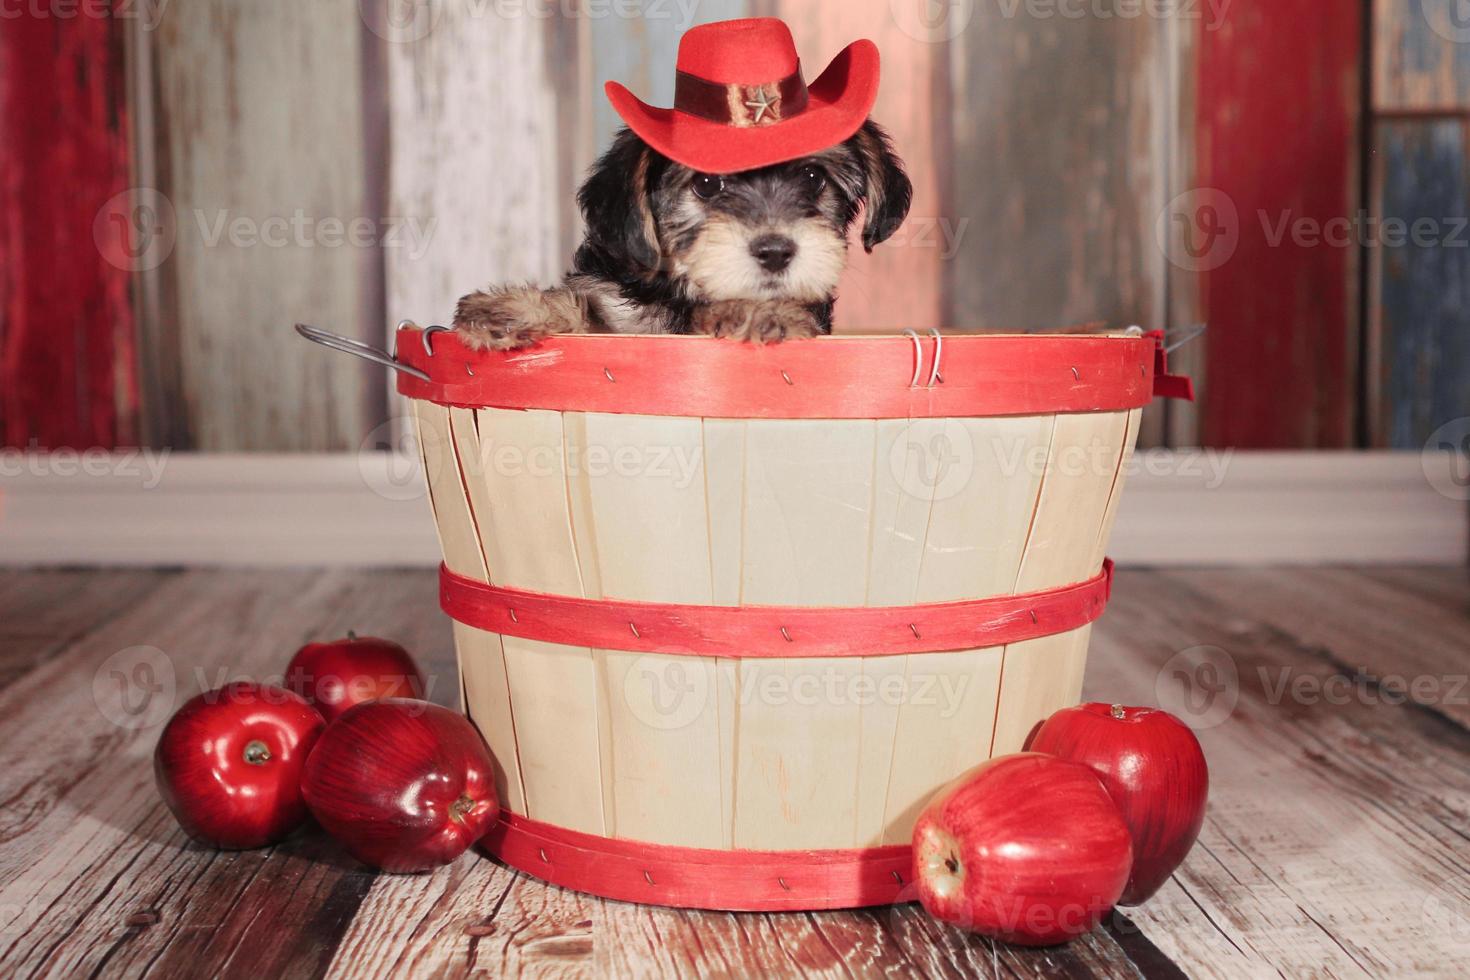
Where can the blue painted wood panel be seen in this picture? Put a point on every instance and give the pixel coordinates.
(1422, 269)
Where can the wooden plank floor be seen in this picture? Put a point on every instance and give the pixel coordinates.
(1337, 842)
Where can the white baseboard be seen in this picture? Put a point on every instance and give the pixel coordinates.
(1178, 509)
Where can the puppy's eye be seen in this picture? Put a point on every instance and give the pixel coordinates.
(707, 186)
(813, 179)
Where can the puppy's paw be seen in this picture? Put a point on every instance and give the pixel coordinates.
(757, 321)
(509, 317)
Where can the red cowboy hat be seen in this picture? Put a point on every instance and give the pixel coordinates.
(740, 101)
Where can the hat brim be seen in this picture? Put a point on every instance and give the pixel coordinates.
(838, 103)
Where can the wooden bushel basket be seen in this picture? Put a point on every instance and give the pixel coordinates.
(728, 615)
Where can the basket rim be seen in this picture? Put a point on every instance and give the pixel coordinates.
(843, 377)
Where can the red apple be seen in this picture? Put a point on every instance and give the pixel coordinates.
(229, 764)
(335, 676)
(1024, 848)
(1154, 770)
(405, 785)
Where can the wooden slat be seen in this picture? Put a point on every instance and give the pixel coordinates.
(453, 515)
(641, 480)
(641, 52)
(1420, 60)
(1184, 285)
(1278, 146)
(259, 122)
(982, 478)
(899, 284)
(1061, 215)
(486, 682)
(524, 516)
(807, 518)
(1420, 324)
(474, 150)
(67, 371)
(1082, 470)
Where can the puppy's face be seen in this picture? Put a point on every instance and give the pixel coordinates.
(775, 233)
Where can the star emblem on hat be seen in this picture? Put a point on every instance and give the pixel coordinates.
(763, 102)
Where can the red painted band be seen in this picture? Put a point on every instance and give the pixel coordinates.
(697, 878)
(824, 378)
(773, 631)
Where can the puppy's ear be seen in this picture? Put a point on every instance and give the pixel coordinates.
(615, 202)
(888, 191)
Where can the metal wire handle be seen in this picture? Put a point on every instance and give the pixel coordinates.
(357, 348)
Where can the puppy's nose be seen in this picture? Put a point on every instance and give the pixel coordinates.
(773, 252)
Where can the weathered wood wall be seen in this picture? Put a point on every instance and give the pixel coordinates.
(1279, 109)
(68, 234)
(1418, 363)
(1054, 158)
(259, 143)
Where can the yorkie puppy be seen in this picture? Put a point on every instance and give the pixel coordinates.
(754, 255)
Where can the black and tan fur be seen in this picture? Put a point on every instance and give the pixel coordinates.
(669, 250)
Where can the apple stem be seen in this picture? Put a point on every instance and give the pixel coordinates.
(257, 753)
(1118, 712)
(352, 636)
(459, 808)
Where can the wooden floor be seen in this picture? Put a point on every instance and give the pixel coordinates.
(1337, 842)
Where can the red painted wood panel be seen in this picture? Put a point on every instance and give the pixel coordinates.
(1279, 101)
(66, 358)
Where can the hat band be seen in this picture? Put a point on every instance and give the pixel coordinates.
(740, 105)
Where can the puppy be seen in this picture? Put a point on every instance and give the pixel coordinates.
(754, 255)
